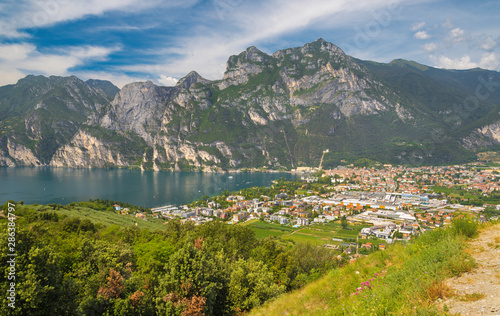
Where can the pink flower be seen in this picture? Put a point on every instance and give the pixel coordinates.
(356, 293)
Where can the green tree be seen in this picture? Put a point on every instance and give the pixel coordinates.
(343, 222)
(251, 285)
(193, 273)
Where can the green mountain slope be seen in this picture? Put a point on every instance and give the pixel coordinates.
(406, 279)
(40, 114)
(278, 111)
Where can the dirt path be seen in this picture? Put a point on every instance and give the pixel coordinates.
(478, 292)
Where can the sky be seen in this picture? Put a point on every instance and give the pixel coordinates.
(136, 40)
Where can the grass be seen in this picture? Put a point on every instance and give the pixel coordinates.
(109, 218)
(104, 217)
(264, 229)
(304, 238)
(318, 234)
(406, 279)
(248, 222)
(471, 297)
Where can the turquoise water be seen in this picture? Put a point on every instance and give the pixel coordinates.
(149, 188)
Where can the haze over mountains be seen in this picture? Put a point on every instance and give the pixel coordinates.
(276, 111)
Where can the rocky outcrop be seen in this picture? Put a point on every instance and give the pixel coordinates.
(138, 107)
(483, 137)
(240, 68)
(21, 154)
(86, 151)
(16, 154)
(491, 131)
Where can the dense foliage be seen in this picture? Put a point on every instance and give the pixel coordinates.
(67, 266)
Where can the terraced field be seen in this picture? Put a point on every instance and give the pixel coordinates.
(318, 234)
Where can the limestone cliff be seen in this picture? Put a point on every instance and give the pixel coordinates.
(279, 110)
(86, 151)
(483, 137)
(17, 155)
(138, 108)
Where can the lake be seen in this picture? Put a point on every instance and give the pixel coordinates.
(65, 185)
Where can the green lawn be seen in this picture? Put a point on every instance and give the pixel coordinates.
(316, 234)
(264, 229)
(305, 238)
(110, 218)
(312, 230)
(343, 233)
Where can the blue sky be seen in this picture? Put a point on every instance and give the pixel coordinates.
(137, 40)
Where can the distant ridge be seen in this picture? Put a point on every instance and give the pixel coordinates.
(278, 111)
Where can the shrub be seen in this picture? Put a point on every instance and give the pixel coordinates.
(465, 227)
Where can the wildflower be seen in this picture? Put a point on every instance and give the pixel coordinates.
(356, 293)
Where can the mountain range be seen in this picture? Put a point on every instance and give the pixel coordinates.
(278, 111)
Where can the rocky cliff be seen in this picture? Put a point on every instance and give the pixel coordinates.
(39, 115)
(272, 111)
(483, 137)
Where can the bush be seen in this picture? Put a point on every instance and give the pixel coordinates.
(465, 227)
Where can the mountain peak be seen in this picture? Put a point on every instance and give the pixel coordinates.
(251, 55)
(190, 79)
(322, 45)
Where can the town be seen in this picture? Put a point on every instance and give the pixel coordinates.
(381, 204)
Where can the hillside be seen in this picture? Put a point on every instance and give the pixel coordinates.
(405, 279)
(38, 115)
(76, 260)
(278, 111)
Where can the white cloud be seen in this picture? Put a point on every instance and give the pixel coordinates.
(456, 35)
(15, 52)
(488, 44)
(122, 28)
(167, 81)
(246, 25)
(19, 60)
(447, 24)
(489, 61)
(430, 47)
(486, 61)
(463, 62)
(25, 14)
(117, 78)
(422, 35)
(417, 26)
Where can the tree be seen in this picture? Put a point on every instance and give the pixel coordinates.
(251, 285)
(343, 222)
(193, 277)
(114, 287)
